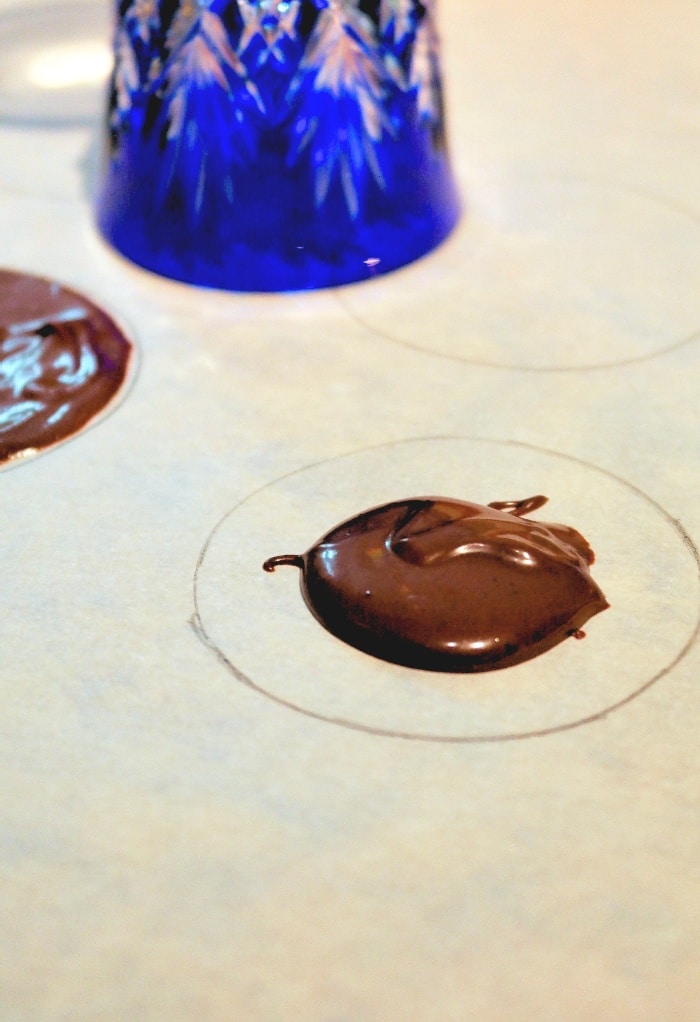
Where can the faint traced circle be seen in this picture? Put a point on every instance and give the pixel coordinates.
(547, 274)
(259, 627)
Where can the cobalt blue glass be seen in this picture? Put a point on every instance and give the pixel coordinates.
(272, 145)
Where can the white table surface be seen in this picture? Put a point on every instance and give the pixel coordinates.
(177, 841)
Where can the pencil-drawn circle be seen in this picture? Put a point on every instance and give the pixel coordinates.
(259, 627)
(547, 274)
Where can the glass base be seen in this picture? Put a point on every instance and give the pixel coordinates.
(271, 237)
(270, 146)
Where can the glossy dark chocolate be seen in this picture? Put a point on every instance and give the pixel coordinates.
(62, 360)
(447, 585)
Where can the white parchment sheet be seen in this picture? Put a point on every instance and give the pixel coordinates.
(209, 807)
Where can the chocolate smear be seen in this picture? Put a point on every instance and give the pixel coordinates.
(447, 585)
(62, 361)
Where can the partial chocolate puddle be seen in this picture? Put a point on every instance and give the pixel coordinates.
(447, 585)
(63, 360)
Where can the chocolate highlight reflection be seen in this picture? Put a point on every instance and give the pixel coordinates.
(62, 360)
(447, 585)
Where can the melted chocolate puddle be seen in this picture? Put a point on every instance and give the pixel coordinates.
(446, 585)
(62, 360)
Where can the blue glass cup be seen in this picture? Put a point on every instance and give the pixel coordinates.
(273, 145)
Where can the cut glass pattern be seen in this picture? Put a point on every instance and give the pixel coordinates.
(329, 106)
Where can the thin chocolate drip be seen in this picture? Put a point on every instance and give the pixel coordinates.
(294, 560)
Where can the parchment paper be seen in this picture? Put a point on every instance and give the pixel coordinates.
(211, 809)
